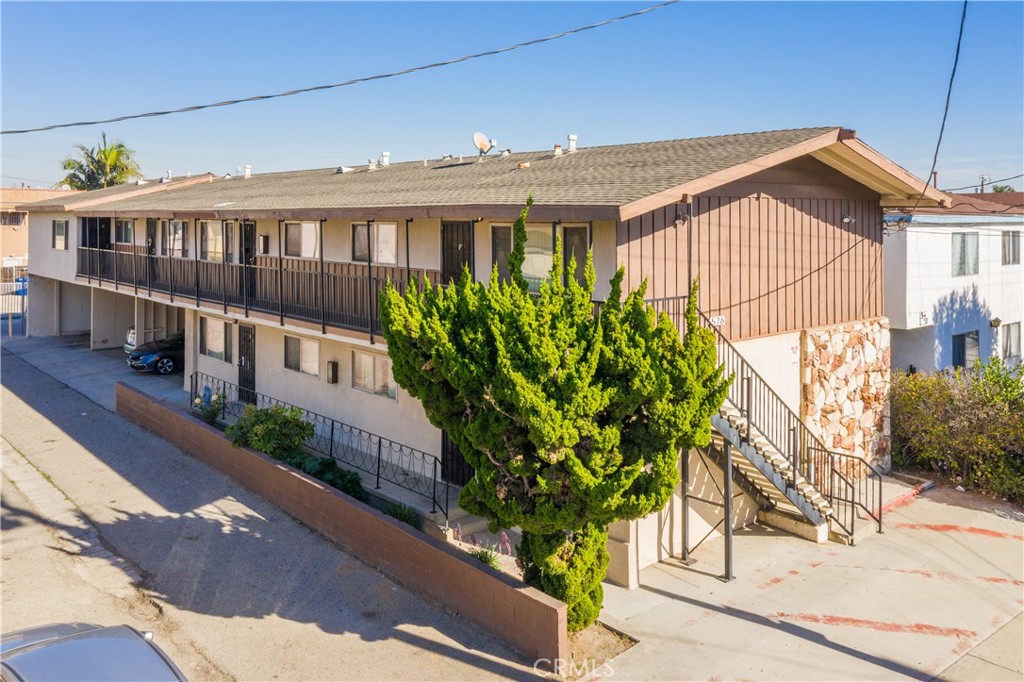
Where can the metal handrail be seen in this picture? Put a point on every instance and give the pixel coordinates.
(847, 481)
(399, 464)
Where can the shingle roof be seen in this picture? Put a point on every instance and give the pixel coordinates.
(69, 200)
(594, 176)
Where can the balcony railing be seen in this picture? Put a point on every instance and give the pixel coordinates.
(385, 460)
(329, 293)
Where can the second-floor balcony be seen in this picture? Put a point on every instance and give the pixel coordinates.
(328, 293)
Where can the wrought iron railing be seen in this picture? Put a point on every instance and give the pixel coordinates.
(848, 482)
(385, 460)
(331, 296)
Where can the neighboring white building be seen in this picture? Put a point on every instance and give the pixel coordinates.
(954, 284)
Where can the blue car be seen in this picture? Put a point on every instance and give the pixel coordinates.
(163, 356)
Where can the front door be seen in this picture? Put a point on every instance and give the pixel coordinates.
(456, 249)
(247, 363)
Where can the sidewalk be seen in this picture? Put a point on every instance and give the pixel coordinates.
(938, 595)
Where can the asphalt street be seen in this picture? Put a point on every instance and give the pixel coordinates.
(109, 523)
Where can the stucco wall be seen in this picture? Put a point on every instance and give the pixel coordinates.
(777, 359)
(845, 373)
(75, 308)
(402, 420)
(45, 260)
(112, 314)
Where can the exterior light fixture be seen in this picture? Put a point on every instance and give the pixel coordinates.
(848, 219)
(995, 322)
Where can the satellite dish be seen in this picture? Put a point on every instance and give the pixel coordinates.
(482, 143)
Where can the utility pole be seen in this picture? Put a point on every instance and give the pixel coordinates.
(984, 179)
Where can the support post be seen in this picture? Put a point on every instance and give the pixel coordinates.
(280, 271)
(135, 265)
(378, 461)
(684, 463)
(224, 246)
(323, 305)
(727, 485)
(408, 265)
(369, 296)
(748, 399)
(195, 245)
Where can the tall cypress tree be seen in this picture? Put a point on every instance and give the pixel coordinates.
(573, 418)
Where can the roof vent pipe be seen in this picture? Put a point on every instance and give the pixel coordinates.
(169, 176)
(385, 158)
(371, 164)
(248, 171)
(558, 150)
(572, 142)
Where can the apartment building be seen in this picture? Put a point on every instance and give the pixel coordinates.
(274, 279)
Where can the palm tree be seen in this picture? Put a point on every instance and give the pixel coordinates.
(1002, 188)
(103, 166)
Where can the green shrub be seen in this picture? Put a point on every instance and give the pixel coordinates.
(486, 556)
(968, 425)
(327, 470)
(276, 431)
(404, 514)
(280, 432)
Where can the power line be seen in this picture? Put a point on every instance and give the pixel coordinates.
(354, 81)
(945, 111)
(990, 182)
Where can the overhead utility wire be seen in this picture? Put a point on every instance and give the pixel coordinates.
(299, 91)
(987, 182)
(945, 111)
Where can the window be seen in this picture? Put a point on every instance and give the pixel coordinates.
(229, 243)
(124, 231)
(60, 235)
(383, 240)
(302, 355)
(372, 373)
(965, 349)
(1011, 248)
(14, 218)
(174, 238)
(540, 250)
(211, 240)
(1011, 340)
(300, 239)
(965, 253)
(215, 338)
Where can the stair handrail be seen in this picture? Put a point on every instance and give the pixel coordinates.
(833, 474)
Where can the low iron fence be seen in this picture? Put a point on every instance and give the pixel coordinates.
(404, 466)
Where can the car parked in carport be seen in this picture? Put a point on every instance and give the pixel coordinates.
(163, 356)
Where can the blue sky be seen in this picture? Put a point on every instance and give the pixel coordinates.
(688, 70)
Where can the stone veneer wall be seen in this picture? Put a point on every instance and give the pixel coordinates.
(844, 378)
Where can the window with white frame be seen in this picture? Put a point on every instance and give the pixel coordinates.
(1011, 247)
(174, 238)
(371, 372)
(1011, 340)
(124, 231)
(211, 240)
(965, 253)
(60, 235)
(379, 241)
(302, 355)
(301, 239)
(215, 338)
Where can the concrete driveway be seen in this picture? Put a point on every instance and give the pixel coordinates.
(945, 576)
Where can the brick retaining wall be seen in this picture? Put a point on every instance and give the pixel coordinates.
(527, 619)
